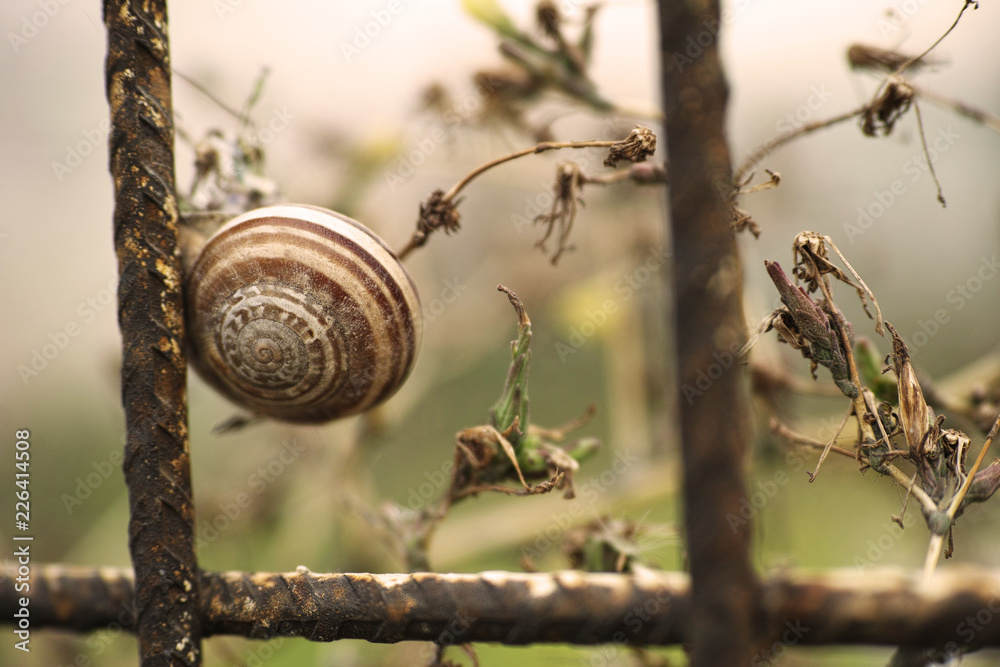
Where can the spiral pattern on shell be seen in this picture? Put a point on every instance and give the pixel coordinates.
(301, 314)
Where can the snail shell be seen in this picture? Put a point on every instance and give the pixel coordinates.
(301, 314)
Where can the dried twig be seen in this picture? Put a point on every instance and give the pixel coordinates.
(751, 161)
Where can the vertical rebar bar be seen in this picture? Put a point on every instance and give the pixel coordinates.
(150, 314)
(709, 325)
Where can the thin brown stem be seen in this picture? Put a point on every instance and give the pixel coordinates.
(926, 502)
(777, 142)
(930, 48)
(795, 437)
(961, 108)
(533, 150)
(829, 444)
(927, 154)
(897, 475)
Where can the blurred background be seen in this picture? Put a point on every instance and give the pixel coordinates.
(345, 120)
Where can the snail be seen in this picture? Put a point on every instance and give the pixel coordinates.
(300, 314)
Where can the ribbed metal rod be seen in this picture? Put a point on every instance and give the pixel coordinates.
(958, 610)
(151, 317)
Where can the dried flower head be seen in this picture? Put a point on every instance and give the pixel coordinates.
(438, 213)
(636, 147)
(887, 108)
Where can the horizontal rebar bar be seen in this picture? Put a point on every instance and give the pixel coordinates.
(959, 609)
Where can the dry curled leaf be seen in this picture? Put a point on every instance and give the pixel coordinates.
(812, 262)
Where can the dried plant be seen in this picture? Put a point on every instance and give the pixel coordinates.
(894, 96)
(508, 454)
(940, 482)
(440, 210)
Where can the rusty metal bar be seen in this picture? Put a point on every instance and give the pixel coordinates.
(709, 325)
(510, 608)
(150, 314)
(958, 610)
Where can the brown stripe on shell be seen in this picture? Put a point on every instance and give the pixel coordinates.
(378, 318)
(348, 250)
